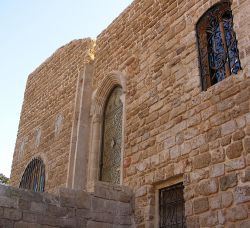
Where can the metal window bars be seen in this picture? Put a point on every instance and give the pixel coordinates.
(218, 51)
(171, 207)
(34, 176)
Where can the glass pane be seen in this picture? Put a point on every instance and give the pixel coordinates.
(112, 138)
(233, 53)
(216, 52)
(33, 177)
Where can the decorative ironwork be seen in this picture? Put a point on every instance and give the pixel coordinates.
(34, 176)
(171, 203)
(112, 138)
(219, 55)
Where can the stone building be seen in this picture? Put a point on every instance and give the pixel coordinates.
(158, 104)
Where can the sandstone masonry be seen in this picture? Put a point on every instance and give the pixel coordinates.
(172, 130)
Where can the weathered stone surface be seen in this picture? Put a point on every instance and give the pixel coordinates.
(226, 199)
(245, 224)
(217, 170)
(246, 175)
(201, 205)
(12, 214)
(228, 127)
(242, 194)
(228, 181)
(6, 223)
(207, 187)
(235, 164)
(51, 213)
(236, 213)
(234, 150)
(215, 202)
(171, 128)
(193, 222)
(217, 155)
(202, 160)
(238, 135)
(209, 219)
(247, 145)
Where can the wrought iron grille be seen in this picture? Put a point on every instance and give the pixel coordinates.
(171, 203)
(112, 138)
(218, 51)
(34, 176)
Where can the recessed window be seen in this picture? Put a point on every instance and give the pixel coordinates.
(110, 166)
(218, 51)
(171, 207)
(34, 176)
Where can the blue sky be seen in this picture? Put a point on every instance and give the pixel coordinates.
(30, 32)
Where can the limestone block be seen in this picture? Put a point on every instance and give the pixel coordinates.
(228, 127)
(245, 224)
(246, 143)
(6, 223)
(209, 219)
(238, 135)
(215, 202)
(236, 213)
(200, 205)
(202, 161)
(217, 155)
(228, 181)
(234, 150)
(235, 164)
(226, 199)
(22, 224)
(217, 170)
(12, 214)
(8, 202)
(207, 187)
(242, 194)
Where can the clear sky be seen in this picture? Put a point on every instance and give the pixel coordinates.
(31, 30)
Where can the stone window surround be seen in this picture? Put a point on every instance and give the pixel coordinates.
(84, 155)
(172, 181)
(100, 96)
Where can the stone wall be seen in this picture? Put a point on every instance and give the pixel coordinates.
(106, 207)
(173, 129)
(47, 114)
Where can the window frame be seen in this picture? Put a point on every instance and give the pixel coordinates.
(29, 175)
(218, 11)
(166, 184)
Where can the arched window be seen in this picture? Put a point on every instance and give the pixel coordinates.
(110, 164)
(218, 51)
(34, 176)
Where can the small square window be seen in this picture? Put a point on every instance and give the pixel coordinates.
(171, 207)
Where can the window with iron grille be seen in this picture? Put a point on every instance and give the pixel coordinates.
(34, 176)
(112, 138)
(218, 51)
(171, 207)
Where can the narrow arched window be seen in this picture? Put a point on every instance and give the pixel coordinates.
(34, 176)
(110, 165)
(218, 51)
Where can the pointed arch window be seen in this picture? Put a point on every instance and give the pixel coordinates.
(110, 165)
(34, 176)
(218, 51)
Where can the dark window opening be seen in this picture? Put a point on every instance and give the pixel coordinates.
(171, 207)
(218, 51)
(34, 176)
